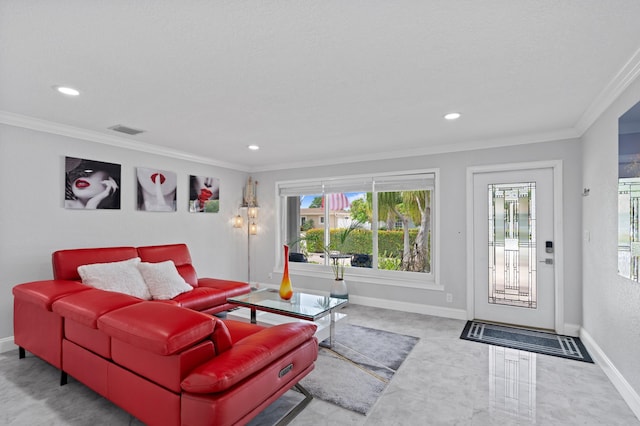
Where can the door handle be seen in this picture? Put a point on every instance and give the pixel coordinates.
(547, 261)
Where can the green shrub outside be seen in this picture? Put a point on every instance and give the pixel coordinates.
(360, 241)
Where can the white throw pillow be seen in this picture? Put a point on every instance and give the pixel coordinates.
(163, 280)
(122, 277)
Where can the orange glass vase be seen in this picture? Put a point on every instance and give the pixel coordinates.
(286, 290)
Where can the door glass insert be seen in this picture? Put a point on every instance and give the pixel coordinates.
(629, 228)
(512, 244)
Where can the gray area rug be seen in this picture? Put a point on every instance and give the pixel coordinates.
(355, 372)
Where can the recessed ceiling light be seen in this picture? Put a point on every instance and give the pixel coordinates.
(67, 90)
(253, 147)
(452, 116)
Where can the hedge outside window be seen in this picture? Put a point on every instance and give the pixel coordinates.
(380, 224)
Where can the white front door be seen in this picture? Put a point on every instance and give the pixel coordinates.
(513, 246)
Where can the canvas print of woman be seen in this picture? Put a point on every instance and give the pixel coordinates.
(91, 184)
(204, 194)
(156, 190)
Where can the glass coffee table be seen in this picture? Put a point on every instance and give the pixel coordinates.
(304, 306)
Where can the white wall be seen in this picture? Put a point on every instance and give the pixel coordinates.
(453, 210)
(611, 303)
(33, 222)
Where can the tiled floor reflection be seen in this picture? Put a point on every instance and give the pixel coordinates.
(512, 383)
(449, 381)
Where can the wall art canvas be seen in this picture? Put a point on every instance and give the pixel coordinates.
(204, 194)
(91, 184)
(156, 190)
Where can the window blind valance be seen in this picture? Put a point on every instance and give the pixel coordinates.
(405, 183)
(412, 182)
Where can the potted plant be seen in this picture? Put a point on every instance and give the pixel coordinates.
(336, 260)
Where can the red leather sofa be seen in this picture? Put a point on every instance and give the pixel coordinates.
(166, 362)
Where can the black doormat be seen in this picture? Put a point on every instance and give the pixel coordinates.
(526, 340)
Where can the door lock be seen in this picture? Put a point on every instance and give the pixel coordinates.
(547, 261)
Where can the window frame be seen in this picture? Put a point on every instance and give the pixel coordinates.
(428, 280)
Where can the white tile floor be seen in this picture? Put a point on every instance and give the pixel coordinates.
(444, 381)
(449, 381)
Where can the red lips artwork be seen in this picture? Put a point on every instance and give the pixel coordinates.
(205, 194)
(155, 176)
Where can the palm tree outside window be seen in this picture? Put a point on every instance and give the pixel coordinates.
(376, 204)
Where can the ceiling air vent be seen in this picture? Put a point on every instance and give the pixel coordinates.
(124, 129)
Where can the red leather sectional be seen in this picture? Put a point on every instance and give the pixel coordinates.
(165, 362)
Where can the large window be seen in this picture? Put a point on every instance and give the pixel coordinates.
(376, 226)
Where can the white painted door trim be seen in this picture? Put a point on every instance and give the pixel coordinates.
(556, 165)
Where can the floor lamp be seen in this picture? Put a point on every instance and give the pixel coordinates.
(252, 229)
(250, 206)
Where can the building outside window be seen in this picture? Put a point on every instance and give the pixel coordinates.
(378, 225)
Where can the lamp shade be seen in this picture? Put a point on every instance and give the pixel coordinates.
(237, 221)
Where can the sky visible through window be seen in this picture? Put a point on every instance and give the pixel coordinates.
(306, 200)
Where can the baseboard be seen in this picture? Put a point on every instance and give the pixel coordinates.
(6, 344)
(630, 396)
(415, 308)
(572, 330)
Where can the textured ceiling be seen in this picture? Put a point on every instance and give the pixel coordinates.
(314, 82)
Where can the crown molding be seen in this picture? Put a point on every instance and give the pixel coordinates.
(627, 75)
(470, 145)
(620, 82)
(45, 126)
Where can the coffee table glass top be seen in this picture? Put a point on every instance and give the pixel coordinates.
(302, 305)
